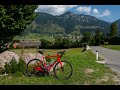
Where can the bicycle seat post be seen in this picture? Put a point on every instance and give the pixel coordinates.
(40, 51)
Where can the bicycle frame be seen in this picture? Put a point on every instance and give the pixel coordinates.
(58, 67)
(52, 64)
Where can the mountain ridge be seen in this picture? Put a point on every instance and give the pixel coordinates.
(68, 23)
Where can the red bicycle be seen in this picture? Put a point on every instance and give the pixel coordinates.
(61, 69)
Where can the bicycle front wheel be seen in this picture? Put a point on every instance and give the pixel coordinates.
(63, 72)
(34, 63)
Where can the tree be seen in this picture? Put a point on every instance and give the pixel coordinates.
(113, 30)
(99, 37)
(66, 43)
(87, 38)
(46, 44)
(58, 42)
(13, 21)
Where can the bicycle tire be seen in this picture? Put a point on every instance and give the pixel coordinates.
(68, 70)
(33, 73)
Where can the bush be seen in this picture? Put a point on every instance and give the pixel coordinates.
(106, 43)
(11, 67)
(15, 68)
(46, 44)
(21, 65)
(114, 41)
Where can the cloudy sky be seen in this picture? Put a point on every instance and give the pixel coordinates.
(107, 13)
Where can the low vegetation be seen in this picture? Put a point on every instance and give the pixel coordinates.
(85, 71)
(115, 47)
(15, 68)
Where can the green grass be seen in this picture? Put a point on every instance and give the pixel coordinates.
(33, 50)
(82, 62)
(32, 36)
(115, 47)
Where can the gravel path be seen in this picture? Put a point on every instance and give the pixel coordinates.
(111, 56)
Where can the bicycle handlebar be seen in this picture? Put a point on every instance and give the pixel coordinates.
(61, 53)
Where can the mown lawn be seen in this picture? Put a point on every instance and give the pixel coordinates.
(115, 47)
(85, 71)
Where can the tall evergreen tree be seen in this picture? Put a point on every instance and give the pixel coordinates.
(99, 37)
(87, 38)
(113, 30)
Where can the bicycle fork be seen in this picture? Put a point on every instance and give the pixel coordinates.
(61, 66)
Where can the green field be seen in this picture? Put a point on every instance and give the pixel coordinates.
(115, 47)
(32, 36)
(85, 71)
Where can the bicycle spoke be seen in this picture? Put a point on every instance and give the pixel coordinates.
(32, 64)
(63, 72)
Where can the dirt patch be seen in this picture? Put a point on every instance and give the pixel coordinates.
(10, 77)
(103, 79)
(89, 71)
(86, 83)
(116, 77)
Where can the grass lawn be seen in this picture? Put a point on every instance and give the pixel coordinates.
(32, 36)
(115, 47)
(85, 71)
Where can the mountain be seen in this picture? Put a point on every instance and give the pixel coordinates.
(86, 22)
(118, 23)
(67, 23)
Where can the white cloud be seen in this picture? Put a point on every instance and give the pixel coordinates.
(60, 9)
(95, 11)
(104, 13)
(86, 9)
(54, 9)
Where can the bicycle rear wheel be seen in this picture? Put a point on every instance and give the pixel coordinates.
(34, 63)
(63, 72)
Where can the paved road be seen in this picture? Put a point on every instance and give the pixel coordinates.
(111, 56)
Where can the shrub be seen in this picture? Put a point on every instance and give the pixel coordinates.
(15, 68)
(7, 68)
(21, 65)
(46, 44)
(114, 41)
(11, 67)
(105, 43)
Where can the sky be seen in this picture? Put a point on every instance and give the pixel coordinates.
(109, 13)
